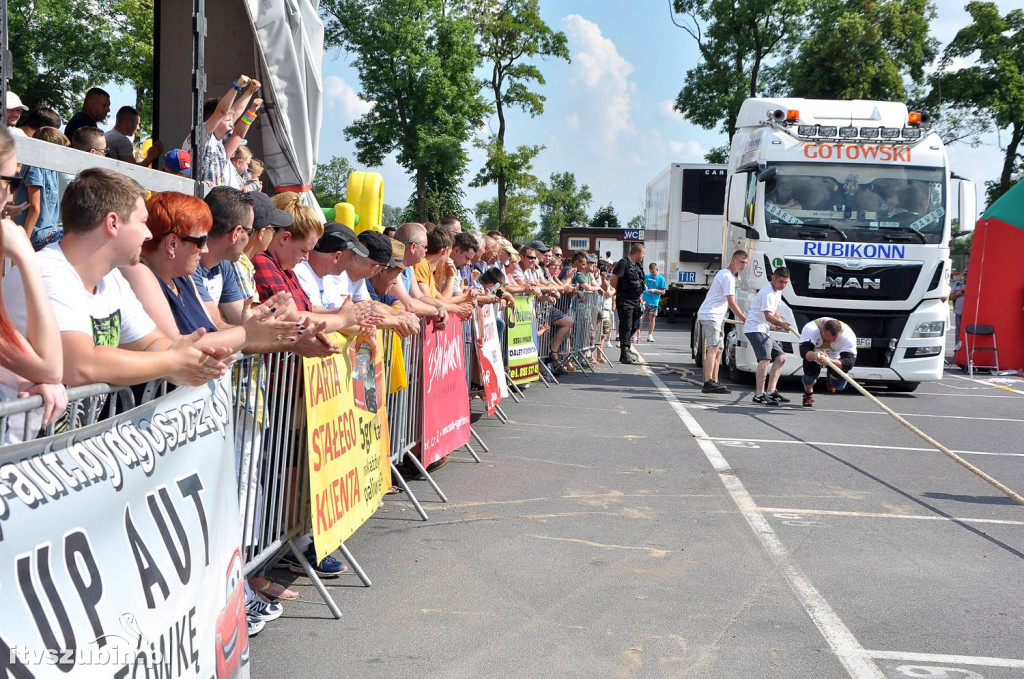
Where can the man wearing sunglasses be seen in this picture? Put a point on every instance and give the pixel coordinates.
(216, 276)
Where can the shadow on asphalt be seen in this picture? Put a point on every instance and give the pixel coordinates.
(972, 499)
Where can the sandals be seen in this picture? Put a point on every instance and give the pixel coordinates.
(271, 590)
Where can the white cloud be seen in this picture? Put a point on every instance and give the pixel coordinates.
(572, 121)
(666, 108)
(339, 94)
(686, 151)
(604, 74)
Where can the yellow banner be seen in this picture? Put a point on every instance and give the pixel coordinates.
(347, 438)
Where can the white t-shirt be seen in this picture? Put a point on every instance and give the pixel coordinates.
(357, 290)
(766, 299)
(845, 343)
(112, 316)
(716, 302)
(328, 292)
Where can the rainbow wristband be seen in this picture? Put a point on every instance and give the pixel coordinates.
(249, 117)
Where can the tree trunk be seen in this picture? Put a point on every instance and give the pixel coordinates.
(502, 187)
(421, 193)
(1010, 159)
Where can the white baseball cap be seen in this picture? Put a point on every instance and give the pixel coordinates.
(14, 101)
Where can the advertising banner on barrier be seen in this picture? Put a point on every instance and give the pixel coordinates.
(120, 546)
(488, 352)
(522, 341)
(348, 440)
(445, 392)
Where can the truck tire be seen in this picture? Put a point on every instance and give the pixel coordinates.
(736, 375)
(903, 387)
(695, 343)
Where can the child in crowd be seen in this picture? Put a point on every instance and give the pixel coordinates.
(255, 181)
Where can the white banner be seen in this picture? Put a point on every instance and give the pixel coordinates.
(119, 546)
(491, 347)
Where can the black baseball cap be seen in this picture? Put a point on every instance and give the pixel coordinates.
(338, 238)
(539, 246)
(378, 246)
(265, 213)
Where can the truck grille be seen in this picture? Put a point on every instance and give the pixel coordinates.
(875, 283)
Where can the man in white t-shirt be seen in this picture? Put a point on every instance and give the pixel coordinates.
(826, 342)
(711, 319)
(323, 276)
(762, 317)
(105, 333)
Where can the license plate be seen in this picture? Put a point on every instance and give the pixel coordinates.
(863, 342)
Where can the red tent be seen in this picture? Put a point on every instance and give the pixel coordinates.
(995, 287)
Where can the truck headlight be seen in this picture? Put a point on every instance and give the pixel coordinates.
(929, 329)
(921, 352)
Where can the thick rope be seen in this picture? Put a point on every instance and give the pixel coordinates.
(1006, 490)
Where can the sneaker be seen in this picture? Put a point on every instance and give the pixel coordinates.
(712, 387)
(254, 624)
(721, 388)
(262, 610)
(763, 400)
(650, 338)
(777, 397)
(328, 568)
(808, 400)
(635, 340)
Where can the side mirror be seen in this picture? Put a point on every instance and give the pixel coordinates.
(767, 173)
(968, 212)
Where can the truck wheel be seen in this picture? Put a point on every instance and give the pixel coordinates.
(736, 375)
(903, 387)
(695, 343)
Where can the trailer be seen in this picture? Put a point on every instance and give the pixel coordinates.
(684, 222)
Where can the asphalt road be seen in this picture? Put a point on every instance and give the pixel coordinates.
(625, 525)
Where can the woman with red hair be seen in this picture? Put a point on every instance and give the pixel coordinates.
(163, 282)
(31, 359)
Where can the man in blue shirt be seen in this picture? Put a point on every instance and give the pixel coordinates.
(654, 287)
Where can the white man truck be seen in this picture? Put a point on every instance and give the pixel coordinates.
(853, 197)
(683, 232)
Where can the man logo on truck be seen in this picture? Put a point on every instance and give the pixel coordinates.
(851, 282)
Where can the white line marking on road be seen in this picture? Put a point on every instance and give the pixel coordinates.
(947, 659)
(1004, 387)
(882, 515)
(846, 647)
(729, 439)
(751, 406)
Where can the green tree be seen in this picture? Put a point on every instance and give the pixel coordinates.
(519, 223)
(862, 49)
(49, 41)
(131, 48)
(415, 60)
(736, 39)
(392, 215)
(993, 87)
(636, 222)
(330, 182)
(605, 217)
(562, 204)
(510, 34)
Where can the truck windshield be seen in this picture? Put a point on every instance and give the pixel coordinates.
(863, 203)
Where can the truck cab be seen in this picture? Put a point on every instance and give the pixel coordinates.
(853, 197)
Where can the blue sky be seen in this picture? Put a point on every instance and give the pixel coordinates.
(608, 116)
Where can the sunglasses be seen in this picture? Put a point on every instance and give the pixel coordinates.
(198, 241)
(531, 256)
(12, 182)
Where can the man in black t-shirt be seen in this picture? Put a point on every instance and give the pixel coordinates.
(94, 111)
(628, 281)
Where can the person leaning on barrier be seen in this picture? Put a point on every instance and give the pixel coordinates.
(163, 280)
(628, 282)
(385, 280)
(439, 242)
(413, 236)
(216, 277)
(721, 297)
(106, 334)
(31, 356)
(388, 317)
(826, 342)
(465, 246)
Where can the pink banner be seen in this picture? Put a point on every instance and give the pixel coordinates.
(445, 392)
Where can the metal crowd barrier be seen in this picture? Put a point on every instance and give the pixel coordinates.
(87, 404)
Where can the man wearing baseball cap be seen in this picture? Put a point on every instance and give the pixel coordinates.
(380, 253)
(178, 161)
(321, 275)
(266, 218)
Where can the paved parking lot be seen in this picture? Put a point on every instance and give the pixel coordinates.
(625, 525)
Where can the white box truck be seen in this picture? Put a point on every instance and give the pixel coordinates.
(853, 197)
(684, 231)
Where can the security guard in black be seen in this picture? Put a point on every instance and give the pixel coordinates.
(628, 280)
